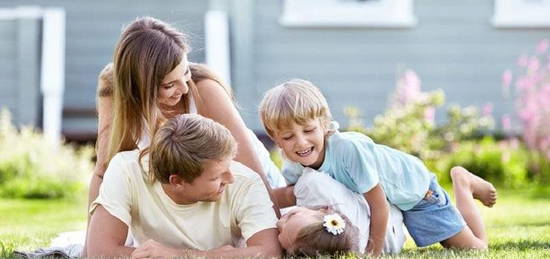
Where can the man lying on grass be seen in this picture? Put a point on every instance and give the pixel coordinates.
(185, 196)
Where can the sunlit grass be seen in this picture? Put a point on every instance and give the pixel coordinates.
(30, 224)
(518, 226)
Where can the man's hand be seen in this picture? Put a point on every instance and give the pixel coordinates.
(222, 249)
(154, 249)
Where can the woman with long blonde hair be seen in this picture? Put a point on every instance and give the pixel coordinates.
(151, 80)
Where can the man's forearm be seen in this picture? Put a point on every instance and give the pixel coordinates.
(118, 251)
(155, 249)
(253, 251)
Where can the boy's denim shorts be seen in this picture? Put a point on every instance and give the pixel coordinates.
(433, 219)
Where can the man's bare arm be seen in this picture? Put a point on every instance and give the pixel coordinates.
(107, 235)
(262, 244)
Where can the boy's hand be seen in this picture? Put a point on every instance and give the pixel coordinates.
(376, 198)
(370, 250)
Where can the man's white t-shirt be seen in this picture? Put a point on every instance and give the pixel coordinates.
(243, 209)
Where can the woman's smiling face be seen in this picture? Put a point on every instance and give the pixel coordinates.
(174, 84)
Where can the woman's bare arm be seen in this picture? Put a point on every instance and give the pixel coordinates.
(104, 108)
(103, 130)
(215, 103)
(285, 196)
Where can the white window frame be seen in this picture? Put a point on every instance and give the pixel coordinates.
(522, 14)
(348, 13)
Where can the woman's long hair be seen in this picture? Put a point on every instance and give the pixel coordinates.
(148, 49)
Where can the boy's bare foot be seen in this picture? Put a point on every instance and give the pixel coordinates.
(482, 190)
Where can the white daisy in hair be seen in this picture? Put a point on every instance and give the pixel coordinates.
(334, 223)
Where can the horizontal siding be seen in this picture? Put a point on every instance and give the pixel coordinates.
(80, 125)
(7, 91)
(8, 66)
(92, 30)
(8, 69)
(454, 47)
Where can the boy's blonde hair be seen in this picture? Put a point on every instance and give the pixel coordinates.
(295, 101)
(184, 143)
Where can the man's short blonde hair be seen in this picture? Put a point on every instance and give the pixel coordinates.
(295, 101)
(184, 143)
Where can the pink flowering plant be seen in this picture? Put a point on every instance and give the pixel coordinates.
(462, 138)
(409, 122)
(531, 91)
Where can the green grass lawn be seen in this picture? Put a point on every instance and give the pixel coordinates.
(30, 224)
(518, 227)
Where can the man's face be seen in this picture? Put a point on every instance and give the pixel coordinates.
(303, 144)
(210, 185)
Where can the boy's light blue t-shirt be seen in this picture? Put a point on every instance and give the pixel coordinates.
(357, 162)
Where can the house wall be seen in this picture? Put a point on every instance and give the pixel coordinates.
(19, 73)
(454, 47)
(8, 57)
(92, 29)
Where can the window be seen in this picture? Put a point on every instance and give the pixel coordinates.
(522, 14)
(348, 13)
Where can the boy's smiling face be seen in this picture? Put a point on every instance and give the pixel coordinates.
(303, 143)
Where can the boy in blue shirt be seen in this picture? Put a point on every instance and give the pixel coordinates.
(296, 116)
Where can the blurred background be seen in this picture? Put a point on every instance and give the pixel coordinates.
(452, 82)
(353, 50)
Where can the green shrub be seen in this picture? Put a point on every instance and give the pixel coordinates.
(539, 167)
(403, 127)
(408, 125)
(503, 163)
(31, 166)
(409, 122)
